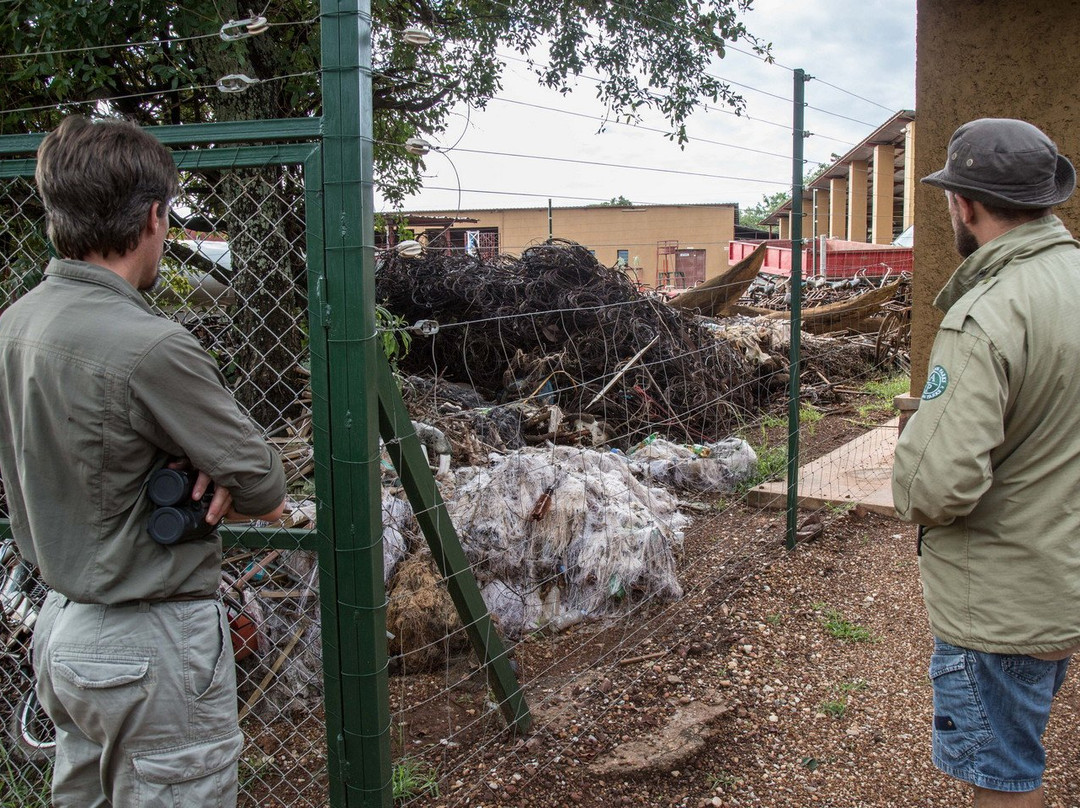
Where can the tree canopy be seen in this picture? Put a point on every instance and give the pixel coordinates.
(753, 214)
(159, 63)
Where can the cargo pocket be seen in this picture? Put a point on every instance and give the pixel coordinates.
(99, 672)
(960, 723)
(202, 773)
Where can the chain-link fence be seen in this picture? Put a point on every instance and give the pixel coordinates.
(235, 275)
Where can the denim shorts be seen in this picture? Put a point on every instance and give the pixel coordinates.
(990, 711)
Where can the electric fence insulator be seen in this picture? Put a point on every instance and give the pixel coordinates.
(241, 29)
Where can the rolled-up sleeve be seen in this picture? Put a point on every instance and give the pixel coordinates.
(942, 465)
(180, 403)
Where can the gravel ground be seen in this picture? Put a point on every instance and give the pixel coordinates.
(781, 679)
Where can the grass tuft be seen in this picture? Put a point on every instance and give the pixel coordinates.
(413, 778)
(838, 627)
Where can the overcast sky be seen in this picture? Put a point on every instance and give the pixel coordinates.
(866, 47)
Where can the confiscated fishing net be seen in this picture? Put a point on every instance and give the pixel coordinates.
(558, 326)
(554, 536)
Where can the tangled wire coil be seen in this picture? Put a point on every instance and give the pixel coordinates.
(557, 324)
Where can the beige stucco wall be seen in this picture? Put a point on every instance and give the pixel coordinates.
(610, 229)
(975, 59)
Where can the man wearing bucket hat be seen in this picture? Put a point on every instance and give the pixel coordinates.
(989, 466)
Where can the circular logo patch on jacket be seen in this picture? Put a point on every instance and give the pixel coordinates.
(936, 383)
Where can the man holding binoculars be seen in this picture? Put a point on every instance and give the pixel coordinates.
(132, 649)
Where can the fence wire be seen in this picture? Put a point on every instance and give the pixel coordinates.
(609, 572)
(607, 538)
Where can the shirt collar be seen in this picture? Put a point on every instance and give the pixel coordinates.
(100, 276)
(991, 258)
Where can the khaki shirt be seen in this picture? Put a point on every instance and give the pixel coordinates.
(96, 391)
(990, 463)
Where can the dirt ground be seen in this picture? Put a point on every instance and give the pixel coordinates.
(782, 678)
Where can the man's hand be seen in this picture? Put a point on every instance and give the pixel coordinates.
(220, 504)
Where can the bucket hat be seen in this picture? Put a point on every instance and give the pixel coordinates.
(1005, 162)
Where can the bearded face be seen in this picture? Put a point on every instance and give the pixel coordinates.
(964, 239)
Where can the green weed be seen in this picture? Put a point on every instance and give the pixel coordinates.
(808, 418)
(412, 778)
(722, 779)
(844, 630)
(252, 769)
(839, 510)
(835, 708)
(856, 686)
(22, 785)
(882, 392)
(772, 422)
(771, 464)
(393, 334)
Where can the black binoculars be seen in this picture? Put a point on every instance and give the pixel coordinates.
(177, 517)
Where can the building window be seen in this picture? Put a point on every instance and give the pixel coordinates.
(482, 243)
(622, 258)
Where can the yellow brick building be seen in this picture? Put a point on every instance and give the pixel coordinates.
(660, 245)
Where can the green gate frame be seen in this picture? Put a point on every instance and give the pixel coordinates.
(354, 399)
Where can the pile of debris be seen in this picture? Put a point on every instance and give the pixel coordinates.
(557, 326)
(554, 536)
(566, 412)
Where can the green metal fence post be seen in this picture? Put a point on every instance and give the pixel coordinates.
(360, 735)
(795, 287)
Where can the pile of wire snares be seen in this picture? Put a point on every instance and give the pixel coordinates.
(555, 326)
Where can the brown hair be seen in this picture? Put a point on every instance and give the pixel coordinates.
(98, 181)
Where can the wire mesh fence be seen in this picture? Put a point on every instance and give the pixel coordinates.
(612, 465)
(606, 460)
(234, 275)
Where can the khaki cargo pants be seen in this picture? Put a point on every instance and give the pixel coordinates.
(144, 701)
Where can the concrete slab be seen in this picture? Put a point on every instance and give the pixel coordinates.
(859, 472)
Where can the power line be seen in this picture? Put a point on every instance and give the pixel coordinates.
(770, 60)
(145, 43)
(838, 115)
(562, 196)
(853, 95)
(710, 108)
(112, 98)
(617, 165)
(656, 95)
(88, 48)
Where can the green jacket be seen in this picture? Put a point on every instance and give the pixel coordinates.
(990, 463)
(95, 392)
